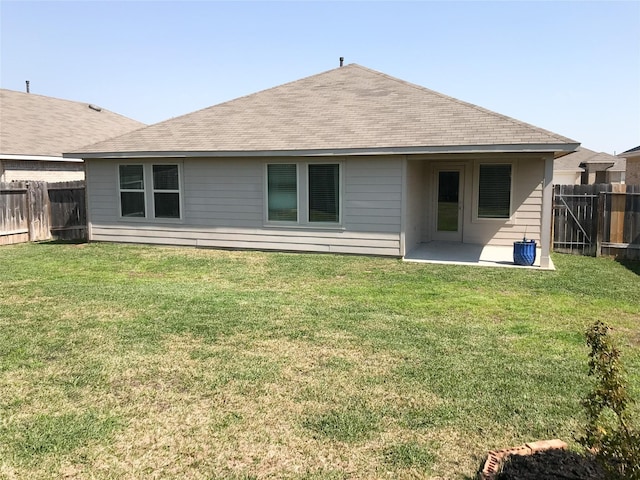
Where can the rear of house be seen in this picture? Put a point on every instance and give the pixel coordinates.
(347, 161)
(336, 204)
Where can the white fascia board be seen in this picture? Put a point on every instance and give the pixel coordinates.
(41, 158)
(557, 149)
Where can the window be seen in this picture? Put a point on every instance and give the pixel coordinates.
(132, 202)
(166, 192)
(494, 191)
(305, 194)
(324, 193)
(154, 185)
(282, 192)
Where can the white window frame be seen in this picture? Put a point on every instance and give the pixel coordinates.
(476, 191)
(340, 193)
(131, 190)
(155, 190)
(149, 191)
(266, 195)
(302, 178)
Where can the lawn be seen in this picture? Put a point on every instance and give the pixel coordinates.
(167, 363)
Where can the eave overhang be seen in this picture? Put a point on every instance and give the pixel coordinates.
(630, 154)
(558, 150)
(42, 158)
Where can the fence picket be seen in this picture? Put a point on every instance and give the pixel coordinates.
(34, 211)
(597, 219)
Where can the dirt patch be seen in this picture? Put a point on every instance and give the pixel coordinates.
(554, 464)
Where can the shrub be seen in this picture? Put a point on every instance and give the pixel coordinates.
(608, 433)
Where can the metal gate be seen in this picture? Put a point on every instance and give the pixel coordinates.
(600, 219)
(575, 219)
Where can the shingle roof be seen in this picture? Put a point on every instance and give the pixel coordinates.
(617, 164)
(633, 152)
(573, 160)
(584, 156)
(620, 165)
(351, 107)
(38, 125)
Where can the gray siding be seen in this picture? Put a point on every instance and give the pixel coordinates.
(223, 192)
(373, 194)
(223, 207)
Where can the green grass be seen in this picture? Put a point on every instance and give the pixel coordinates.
(351, 423)
(409, 455)
(45, 434)
(132, 361)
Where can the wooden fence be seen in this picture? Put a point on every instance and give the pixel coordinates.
(34, 211)
(601, 219)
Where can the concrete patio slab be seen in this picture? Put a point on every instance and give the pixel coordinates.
(468, 254)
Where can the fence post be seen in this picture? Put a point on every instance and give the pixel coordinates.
(600, 228)
(30, 212)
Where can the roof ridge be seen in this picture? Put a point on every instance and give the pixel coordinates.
(49, 97)
(467, 104)
(36, 124)
(66, 100)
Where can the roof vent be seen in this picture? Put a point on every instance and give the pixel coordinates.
(94, 107)
(341, 61)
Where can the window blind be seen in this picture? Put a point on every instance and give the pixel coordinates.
(324, 193)
(494, 191)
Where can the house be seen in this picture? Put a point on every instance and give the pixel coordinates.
(567, 169)
(349, 161)
(603, 168)
(35, 130)
(617, 173)
(632, 158)
(585, 167)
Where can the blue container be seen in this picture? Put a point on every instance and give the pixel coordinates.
(524, 252)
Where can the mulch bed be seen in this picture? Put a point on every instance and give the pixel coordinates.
(554, 464)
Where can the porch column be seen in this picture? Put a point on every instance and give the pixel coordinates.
(546, 220)
(403, 208)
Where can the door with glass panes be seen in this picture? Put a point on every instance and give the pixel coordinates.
(448, 204)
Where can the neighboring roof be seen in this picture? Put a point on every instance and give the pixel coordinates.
(619, 165)
(573, 160)
(601, 158)
(348, 110)
(35, 125)
(633, 153)
(583, 156)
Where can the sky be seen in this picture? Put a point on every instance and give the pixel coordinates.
(569, 67)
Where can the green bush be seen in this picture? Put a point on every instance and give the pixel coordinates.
(608, 433)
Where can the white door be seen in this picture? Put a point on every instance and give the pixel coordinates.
(448, 204)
